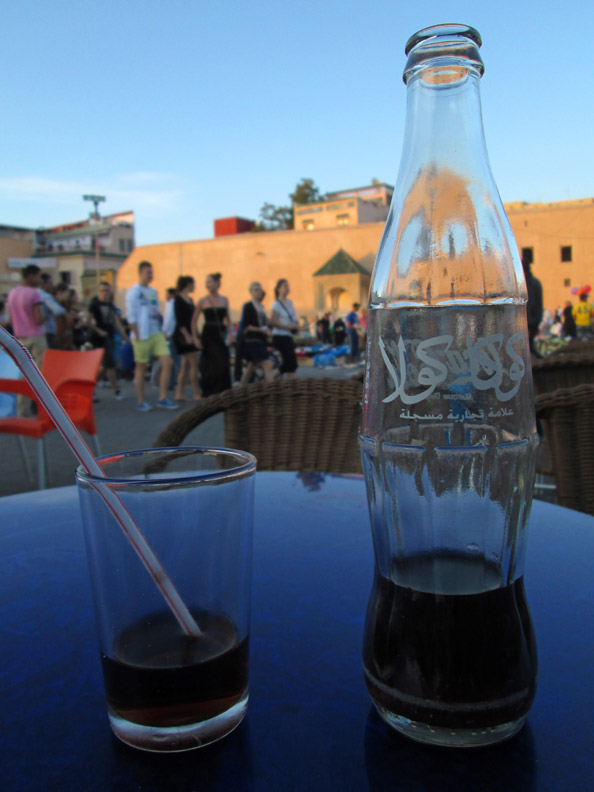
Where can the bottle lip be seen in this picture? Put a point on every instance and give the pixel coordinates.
(439, 46)
(446, 31)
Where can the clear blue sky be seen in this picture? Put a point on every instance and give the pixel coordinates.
(188, 111)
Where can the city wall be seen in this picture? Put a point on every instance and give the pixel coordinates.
(264, 257)
(297, 255)
(547, 229)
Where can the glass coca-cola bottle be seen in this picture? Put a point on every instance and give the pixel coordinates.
(448, 438)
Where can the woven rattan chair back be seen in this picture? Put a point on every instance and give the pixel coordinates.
(567, 418)
(309, 425)
(575, 347)
(562, 371)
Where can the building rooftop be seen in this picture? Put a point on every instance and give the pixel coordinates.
(77, 225)
(14, 228)
(92, 229)
(372, 186)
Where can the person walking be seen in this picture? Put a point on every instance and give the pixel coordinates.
(352, 323)
(52, 310)
(583, 313)
(534, 306)
(284, 323)
(569, 329)
(169, 331)
(24, 306)
(339, 332)
(215, 374)
(363, 324)
(255, 328)
(305, 327)
(65, 321)
(104, 324)
(142, 308)
(185, 342)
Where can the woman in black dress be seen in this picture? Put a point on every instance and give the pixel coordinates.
(256, 331)
(215, 374)
(183, 339)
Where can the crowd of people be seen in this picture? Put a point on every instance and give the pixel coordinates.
(351, 330)
(567, 323)
(572, 321)
(193, 340)
(43, 315)
(189, 345)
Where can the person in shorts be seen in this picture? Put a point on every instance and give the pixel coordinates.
(105, 322)
(148, 341)
(25, 310)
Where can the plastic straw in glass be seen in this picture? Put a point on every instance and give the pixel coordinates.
(82, 452)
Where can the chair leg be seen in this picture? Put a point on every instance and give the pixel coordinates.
(41, 463)
(25, 456)
(96, 444)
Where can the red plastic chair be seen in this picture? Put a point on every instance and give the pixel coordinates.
(72, 376)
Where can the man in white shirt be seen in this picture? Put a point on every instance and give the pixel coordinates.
(142, 308)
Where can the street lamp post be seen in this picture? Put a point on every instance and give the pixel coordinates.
(96, 200)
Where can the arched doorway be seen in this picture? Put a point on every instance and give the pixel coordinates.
(338, 300)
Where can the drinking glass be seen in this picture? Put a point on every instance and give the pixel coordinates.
(171, 683)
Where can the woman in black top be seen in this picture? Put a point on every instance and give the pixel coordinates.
(215, 373)
(255, 330)
(284, 324)
(183, 338)
(569, 327)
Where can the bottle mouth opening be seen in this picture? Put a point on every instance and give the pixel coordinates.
(443, 32)
(444, 45)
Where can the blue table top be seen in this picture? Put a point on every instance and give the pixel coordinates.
(310, 723)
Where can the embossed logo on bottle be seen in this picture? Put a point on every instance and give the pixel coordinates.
(486, 363)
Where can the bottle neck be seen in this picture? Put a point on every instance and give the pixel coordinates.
(444, 128)
(447, 240)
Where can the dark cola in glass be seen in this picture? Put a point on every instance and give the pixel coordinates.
(448, 438)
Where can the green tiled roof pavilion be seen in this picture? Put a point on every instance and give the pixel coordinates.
(341, 263)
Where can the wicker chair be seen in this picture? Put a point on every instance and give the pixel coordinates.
(567, 417)
(562, 371)
(308, 425)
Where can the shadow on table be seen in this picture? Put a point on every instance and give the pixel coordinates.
(394, 761)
